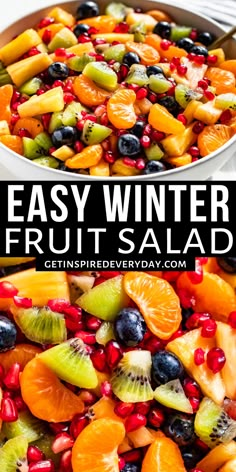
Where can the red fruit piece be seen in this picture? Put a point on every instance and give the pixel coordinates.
(216, 359)
(135, 421)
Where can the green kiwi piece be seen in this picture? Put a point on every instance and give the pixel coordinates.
(78, 63)
(184, 95)
(138, 28)
(131, 378)
(137, 75)
(172, 395)
(26, 425)
(72, 114)
(213, 425)
(105, 300)
(159, 84)
(93, 133)
(105, 333)
(31, 86)
(102, 74)
(226, 101)
(47, 161)
(71, 362)
(139, 37)
(117, 10)
(45, 445)
(55, 121)
(31, 149)
(154, 152)
(79, 284)
(178, 32)
(115, 53)
(13, 455)
(63, 39)
(41, 325)
(5, 78)
(43, 140)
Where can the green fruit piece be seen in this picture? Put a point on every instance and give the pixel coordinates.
(31, 149)
(93, 133)
(105, 300)
(55, 121)
(45, 445)
(105, 333)
(154, 152)
(79, 284)
(184, 95)
(5, 78)
(115, 53)
(63, 39)
(117, 10)
(43, 140)
(172, 395)
(159, 84)
(139, 37)
(131, 378)
(78, 63)
(72, 114)
(41, 325)
(13, 455)
(31, 86)
(138, 28)
(47, 161)
(178, 32)
(71, 362)
(213, 425)
(226, 101)
(26, 425)
(102, 74)
(137, 75)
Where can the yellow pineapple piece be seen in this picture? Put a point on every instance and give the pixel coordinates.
(101, 169)
(190, 110)
(64, 152)
(53, 28)
(11, 261)
(62, 16)
(219, 52)
(179, 161)
(229, 466)
(51, 101)
(110, 37)
(27, 68)
(62, 39)
(177, 144)
(19, 46)
(122, 169)
(77, 49)
(207, 112)
(4, 129)
(217, 457)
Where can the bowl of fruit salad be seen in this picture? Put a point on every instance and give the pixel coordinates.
(111, 371)
(112, 90)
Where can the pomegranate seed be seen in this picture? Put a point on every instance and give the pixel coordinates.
(140, 164)
(232, 319)
(78, 423)
(141, 93)
(109, 274)
(196, 320)
(209, 328)
(45, 22)
(73, 312)
(2, 372)
(176, 61)
(68, 86)
(113, 353)
(142, 407)
(60, 52)
(24, 133)
(181, 70)
(135, 421)
(209, 95)
(7, 394)
(46, 117)
(157, 135)
(193, 34)
(12, 380)
(196, 276)
(58, 428)
(20, 404)
(195, 402)
(8, 412)
(198, 127)
(147, 130)
(199, 356)
(132, 456)
(123, 409)
(202, 84)
(106, 389)
(121, 463)
(93, 323)
(212, 59)
(121, 28)
(216, 359)
(92, 30)
(78, 146)
(22, 302)
(34, 454)
(152, 97)
(14, 118)
(129, 162)
(199, 59)
(225, 116)
(47, 36)
(68, 97)
(172, 66)
(201, 445)
(186, 298)
(145, 141)
(156, 417)
(89, 398)
(87, 337)
(109, 157)
(124, 70)
(62, 442)
(176, 335)
(171, 90)
(165, 44)
(42, 466)
(171, 276)
(58, 304)
(65, 462)
(84, 38)
(104, 119)
(153, 344)
(7, 290)
(98, 358)
(182, 118)
(191, 388)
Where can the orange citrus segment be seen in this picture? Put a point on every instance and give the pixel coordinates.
(32, 125)
(53, 28)
(89, 156)
(230, 65)
(147, 54)
(12, 142)
(44, 394)
(213, 137)
(100, 169)
(159, 15)
(88, 93)
(160, 118)
(104, 408)
(95, 449)
(103, 23)
(6, 92)
(157, 302)
(222, 80)
(22, 353)
(217, 457)
(120, 109)
(163, 456)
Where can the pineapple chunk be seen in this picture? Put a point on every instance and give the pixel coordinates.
(208, 113)
(77, 49)
(62, 16)
(63, 39)
(4, 128)
(179, 161)
(50, 101)
(177, 144)
(19, 46)
(64, 152)
(24, 70)
(110, 37)
(219, 52)
(190, 110)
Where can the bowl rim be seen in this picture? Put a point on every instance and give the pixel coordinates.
(142, 177)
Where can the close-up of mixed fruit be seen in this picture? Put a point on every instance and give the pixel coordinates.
(118, 371)
(119, 92)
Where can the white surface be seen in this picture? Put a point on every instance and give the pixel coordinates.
(11, 13)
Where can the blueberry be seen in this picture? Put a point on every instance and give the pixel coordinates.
(87, 10)
(163, 29)
(7, 334)
(58, 71)
(130, 327)
(128, 145)
(228, 264)
(185, 43)
(199, 50)
(205, 38)
(64, 135)
(153, 70)
(80, 29)
(191, 456)
(180, 428)
(154, 166)
(138, 128)
(165, 367)
(131, 58)
(130, 467)
(171, 104)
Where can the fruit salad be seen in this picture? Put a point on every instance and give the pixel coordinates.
(109, 371)
(119, 92)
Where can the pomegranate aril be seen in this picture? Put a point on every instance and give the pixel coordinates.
(7, 290)
(73, 312)
(132, 456)
(198, 127)
(74, 326)
(98, 358)
(121, 28)
(58, 428)
(123, 409)
(157, 135)
(124, 70)
(12, 379)
(209, 328)
(186, 298)
(106, 389)
(194, 151)
(195, 402)
(24, 133)
(20, 404)
(2, 372)
(191, 388)
(142, 407)
(65, 462)
(88, 338)
(93, 323)
(211, 59)
(141, 93)
(199, 59)
(156, 418)
(209, 95)
(165, 44)
(113, 353)
(129, 162)
(46, 117)
(152, 97)
(8, 412)
(182, 118)
(181, 70)
(22, 302)
(199, 356)
(196, 276)
(135, 421)
(216, 359)
(34, 454)
(196, 320)
(42, 466)
(225, 116)
(45, 22)
(62, 442)
(153, 344)
(109, 157)
(78, 423)
(47, 36)
(58, 304)
(121, 463)
(145, 141)
(140, 164)
(232, 319)
(89, 398)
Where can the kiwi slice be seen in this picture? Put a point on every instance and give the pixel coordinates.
(154, 152)
(184, 95)
(65, 38)
(72, 114)
(102, 74)
(105, 333)
(226, 101)
(31, 86)
(117, 10)
(26, 425)
(131, 378)
(213, 425)
(137, 75)
(79, 284)
(105, 300)
(159, 84)
(41, 325)
(31, 149)
(71, 362)
(78, 64)
(47, 161)
(178, 32)
(93, 133)
(43, 140)
(115, 53)
(55, 121)
(13, 455)
(172, 395)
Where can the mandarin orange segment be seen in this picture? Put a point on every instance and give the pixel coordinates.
(229, 466)
(6, 92)
(104, 408)
(159, 15)
(213, 137)
(162, 120)
(12, 142)
(88, 93)
(95, 449)
(103, 23)
(53, 28)
(223, 80)
(33, 125)
(148, 55)
(44, 394)
(217, 457)
(120, 109)
(88, 157)
(22, 353)
(157, 302)
(163, 456)
(100, 169)
(229, 65)
(173, 51)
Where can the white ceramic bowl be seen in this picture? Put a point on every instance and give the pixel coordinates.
(24, 169)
